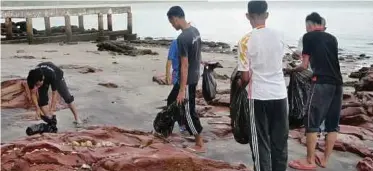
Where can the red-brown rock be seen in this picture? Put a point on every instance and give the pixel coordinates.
(365, 165)
(16, 94)
(352, 111)
(356, 120)
(365, 83)
(103, 149)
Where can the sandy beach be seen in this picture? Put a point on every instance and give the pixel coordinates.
(133, 104)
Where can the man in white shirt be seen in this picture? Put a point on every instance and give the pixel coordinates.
(260, 61)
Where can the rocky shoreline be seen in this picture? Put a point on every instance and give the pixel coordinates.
(128, 83)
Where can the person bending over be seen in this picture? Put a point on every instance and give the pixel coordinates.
(189, 47)
(39, 79)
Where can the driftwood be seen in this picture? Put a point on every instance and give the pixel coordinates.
(124, 48)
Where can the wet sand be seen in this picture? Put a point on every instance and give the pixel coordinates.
(133, 104)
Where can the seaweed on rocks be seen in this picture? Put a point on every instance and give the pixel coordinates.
(124, 48)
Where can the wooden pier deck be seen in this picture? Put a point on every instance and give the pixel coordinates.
(67, 34)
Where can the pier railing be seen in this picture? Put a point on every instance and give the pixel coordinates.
(69, 35)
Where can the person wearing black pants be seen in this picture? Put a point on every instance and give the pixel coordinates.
(189, 46)
(191, 118)
(39, 79)
(260, 56)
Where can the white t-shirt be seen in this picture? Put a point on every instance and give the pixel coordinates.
(261, 52)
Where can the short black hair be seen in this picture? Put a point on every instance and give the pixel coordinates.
(34, 76)
(175, 11)
(257, 7)
(314, 18)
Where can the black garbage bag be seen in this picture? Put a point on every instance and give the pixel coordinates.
(298, 92)
(41, 128)
(208, 81)
(49, 127)
(240, 111)
(165, 120)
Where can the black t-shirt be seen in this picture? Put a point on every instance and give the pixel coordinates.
(322, 48)
(189, 45)
(52, 74)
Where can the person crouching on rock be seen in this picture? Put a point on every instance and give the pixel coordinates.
(39, 79)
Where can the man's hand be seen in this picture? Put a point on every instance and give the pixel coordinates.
(38, 113)
(180, 97)
(287, 70)
(168, 79)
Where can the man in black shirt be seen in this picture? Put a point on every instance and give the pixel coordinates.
(320, 49)
(39, 79)
(189, 53)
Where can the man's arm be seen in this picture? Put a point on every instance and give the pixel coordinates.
(54, 94)
(306, 51)
(183, 53)
(168, 68)
(303, 65)
(244, 64)
(34, 99)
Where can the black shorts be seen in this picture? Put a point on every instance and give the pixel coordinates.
(62, 90)
(324, 103)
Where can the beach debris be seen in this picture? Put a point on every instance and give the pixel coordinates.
(119, 149)
(108, 85)
(160, 79)
(21, 51)
(86, 166)
(365, 76)
(84, 69)
(365, 165)
(115, 62)
(24, 57)
(51, 51)
(95, 52)
(124, 48)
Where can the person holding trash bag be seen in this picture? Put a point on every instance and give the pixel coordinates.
(209, 85)
(39, 79)
(173, 60)
(320, 49)
(189, 47)
(260, 61)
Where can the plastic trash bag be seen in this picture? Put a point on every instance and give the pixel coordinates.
(41, 128)
(49, 127)
(298, 92)
(165, 120)
(240, 111)
(208, 81)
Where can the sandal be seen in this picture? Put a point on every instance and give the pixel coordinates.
(297, 164)
(318, 161)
